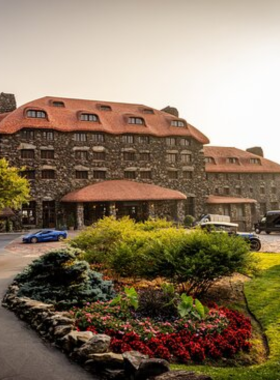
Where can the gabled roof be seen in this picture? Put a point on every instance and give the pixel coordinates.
(65, 119)
(213, 199)
(122, 190)
(243, 163)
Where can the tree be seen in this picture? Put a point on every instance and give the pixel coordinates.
(14, 189)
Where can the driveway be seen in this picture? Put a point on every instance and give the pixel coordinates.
(23, 355)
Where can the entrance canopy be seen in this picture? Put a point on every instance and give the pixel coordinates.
(122, 190)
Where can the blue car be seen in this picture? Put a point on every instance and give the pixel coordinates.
(44, 236)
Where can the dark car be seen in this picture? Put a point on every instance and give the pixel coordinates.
(270, 222)
(231, 229)
(44, 236)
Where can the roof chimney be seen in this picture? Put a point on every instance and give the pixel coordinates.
(256, 150)
(172, 110)
(7, 102)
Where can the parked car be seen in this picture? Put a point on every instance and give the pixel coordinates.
(231, 229)
(270, 222)
(44, 236)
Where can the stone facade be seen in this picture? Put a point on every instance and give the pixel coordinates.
(109, 158)
(62, 151)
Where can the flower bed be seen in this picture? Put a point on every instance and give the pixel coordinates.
(221, 334)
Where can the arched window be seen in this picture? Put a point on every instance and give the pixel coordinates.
(88, 117)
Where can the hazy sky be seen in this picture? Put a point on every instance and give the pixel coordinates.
(217, 61)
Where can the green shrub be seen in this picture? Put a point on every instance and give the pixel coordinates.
(188, 221)
(62, 278)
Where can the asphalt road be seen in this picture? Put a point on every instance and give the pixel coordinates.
(23, 355)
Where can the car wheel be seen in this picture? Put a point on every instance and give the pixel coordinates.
(34, 240)
(258, 231)
(255, 245)
(60, 237)
(267, 232)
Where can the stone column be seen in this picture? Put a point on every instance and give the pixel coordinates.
(80, 216)
(113, 211)
(181, 211)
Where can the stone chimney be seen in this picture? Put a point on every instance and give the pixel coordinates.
(256, 150)
(172, 110)
(7, 102)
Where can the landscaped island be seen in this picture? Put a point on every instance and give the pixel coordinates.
(153, 297)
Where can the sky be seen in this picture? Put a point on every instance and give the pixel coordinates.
(216, 61)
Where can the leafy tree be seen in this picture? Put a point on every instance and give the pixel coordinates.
(14, 190)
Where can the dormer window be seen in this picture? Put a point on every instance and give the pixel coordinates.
(232, 160)
(255, 161)
(209, 160)
(104, 107)
(58, 104)
(177, 123)
(136, 120)
(148, 111)
(88, 117)
(36, 114)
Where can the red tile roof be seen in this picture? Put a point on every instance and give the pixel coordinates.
(213, 199)
(65, 119)
(122, 190)
(3, 115)
(243, 165)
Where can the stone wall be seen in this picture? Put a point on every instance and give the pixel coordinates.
(7, 102)
(263, 187)
(115, 165)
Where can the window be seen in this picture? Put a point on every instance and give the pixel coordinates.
(104, 107)
(255, 161)
(170, 141)
(186, 158)
(226, 210)
(251, 191)
(88, 117)
(274, 205)
(38, 114)
(184, 142)
(232, 160)
(80, 137)
(48, 154)
(171, 158)
(209, 160)
(28, 213)
(273, 190)
(129, 156)
(145, 156)
(136, 120)
(177, 123)
(56, 103)
(238, 190)
(148, 111)
(127, 139)
(27, 153)
(81, 174)
(226, 190)
(190, 206)
(99, 174)
(27, 134)
(262, 190)
(48, 135)
(144, 139)
(187, 175)
(81, 154)
(240, 211)
(216, 191)
(28, 174)
(99, 156)
(130, 174)
(98, 137)
(48, 174)
(145, 174)
(172, 174)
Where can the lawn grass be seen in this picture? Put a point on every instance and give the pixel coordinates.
(263, 297)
